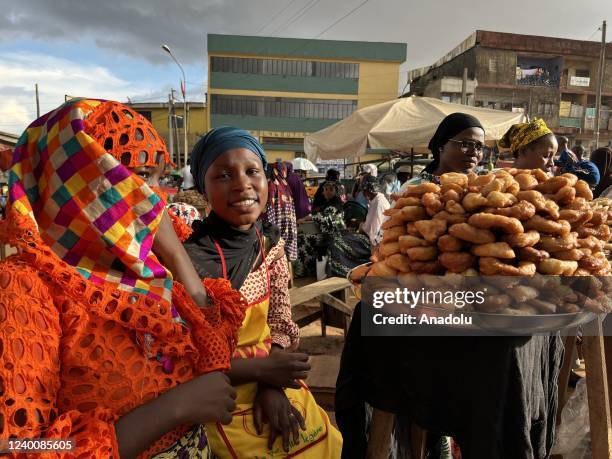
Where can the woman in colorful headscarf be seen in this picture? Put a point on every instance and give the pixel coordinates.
(228, 166)
(533, 145)
(100, 344)
(280, 210)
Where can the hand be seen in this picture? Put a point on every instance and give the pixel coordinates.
(207, 398)
(156, 174)
(283, 369)
(272, 404)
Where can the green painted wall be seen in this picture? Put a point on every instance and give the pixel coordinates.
(269, 123)
(329, 49)
(224, 80)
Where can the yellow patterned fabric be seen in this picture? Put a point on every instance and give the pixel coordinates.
(522, 134)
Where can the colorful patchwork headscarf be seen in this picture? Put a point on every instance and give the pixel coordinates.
(522, 134)
(89, 209)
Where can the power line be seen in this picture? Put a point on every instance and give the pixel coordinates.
(344, 17)
(261, 29)
(297, 16)
(591, 36)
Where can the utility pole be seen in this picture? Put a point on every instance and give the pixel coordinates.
(37, 101)
(600, 82)
(170, 128)
(464, 87)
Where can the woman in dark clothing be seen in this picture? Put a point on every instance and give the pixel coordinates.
(332, 175)
(298, 192)
(602, 158)
(330, 198)
(497, 396)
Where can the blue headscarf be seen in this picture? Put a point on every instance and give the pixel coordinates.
(216, 142)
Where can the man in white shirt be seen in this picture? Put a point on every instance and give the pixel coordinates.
(186, 177)
(378, 205)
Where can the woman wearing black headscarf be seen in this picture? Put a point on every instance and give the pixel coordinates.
(497, 396)
(602, 158)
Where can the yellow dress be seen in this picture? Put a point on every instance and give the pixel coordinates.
(239, 440)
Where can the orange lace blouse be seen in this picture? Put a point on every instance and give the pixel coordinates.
(75, 356)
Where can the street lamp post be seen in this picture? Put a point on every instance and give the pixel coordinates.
(183, 90)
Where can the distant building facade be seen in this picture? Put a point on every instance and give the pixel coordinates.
(281, 89)
(551, 78)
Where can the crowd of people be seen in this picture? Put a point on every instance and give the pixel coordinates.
(142, 327)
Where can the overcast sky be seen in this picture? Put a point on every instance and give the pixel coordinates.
(111, 48)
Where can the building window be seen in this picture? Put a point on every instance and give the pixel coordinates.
(282, 107)
(492, 65)
(255, 66)
(145, 113)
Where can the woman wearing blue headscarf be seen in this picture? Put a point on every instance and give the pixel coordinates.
(228, 166)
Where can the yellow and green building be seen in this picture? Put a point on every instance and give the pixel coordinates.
(281, 89)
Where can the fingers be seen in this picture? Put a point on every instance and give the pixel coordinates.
(300, 366)
(257, 418)
(299, 418)
(232, 391)
(272, 437)
(299, 356)
(293, 384)
(295, 426)
(286, 429)
(300, 374)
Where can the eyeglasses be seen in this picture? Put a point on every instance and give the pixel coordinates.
(467, 145)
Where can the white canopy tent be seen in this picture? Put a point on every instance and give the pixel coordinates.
(400, 124)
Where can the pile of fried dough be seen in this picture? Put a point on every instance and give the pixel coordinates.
(511, 222)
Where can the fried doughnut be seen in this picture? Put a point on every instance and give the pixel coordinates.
(420, 190)
(495, 185)
(541, 224)
(431, 230)
(599, 218)
(552, 185)
(382, 269)
(601, 232)
(387, 249)
(432, 203)
(357, 274)
(393, 234)
(564, 196)
(413, 213)
(451, 195)
(569, 308)
(449, 218)
(411, 201)
(585, 252)
(522, 293)
(426, 267)
(534, 197)
(408, 241)
(493, 249)
(476, 185)
(526, 239)
(513, 188)
(391, 212)
(499, 199)
(571, 177)
(555, 267)
(457, 262)
(392, 222)
(473, 201)
(583, 190)
(453, 207)
(526, 181)
(422, 253)
(493, 304)
(490, 266)
(508, 225)
(448, 243)
(540, 175)
(453, 178)
(574, 216)
(399, 262)
(569, 255)
(532, 254)
(467, 232)
(545, 307)
(552, 209)
(593, 262)
(556, 244)
(524, 210)
(412, 230)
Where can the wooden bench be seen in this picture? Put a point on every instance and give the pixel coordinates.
(333, 310)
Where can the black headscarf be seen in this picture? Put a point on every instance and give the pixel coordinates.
(240, 248)
(602, 158)
(450, 126)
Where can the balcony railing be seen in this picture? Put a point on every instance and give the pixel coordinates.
(534, 80)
